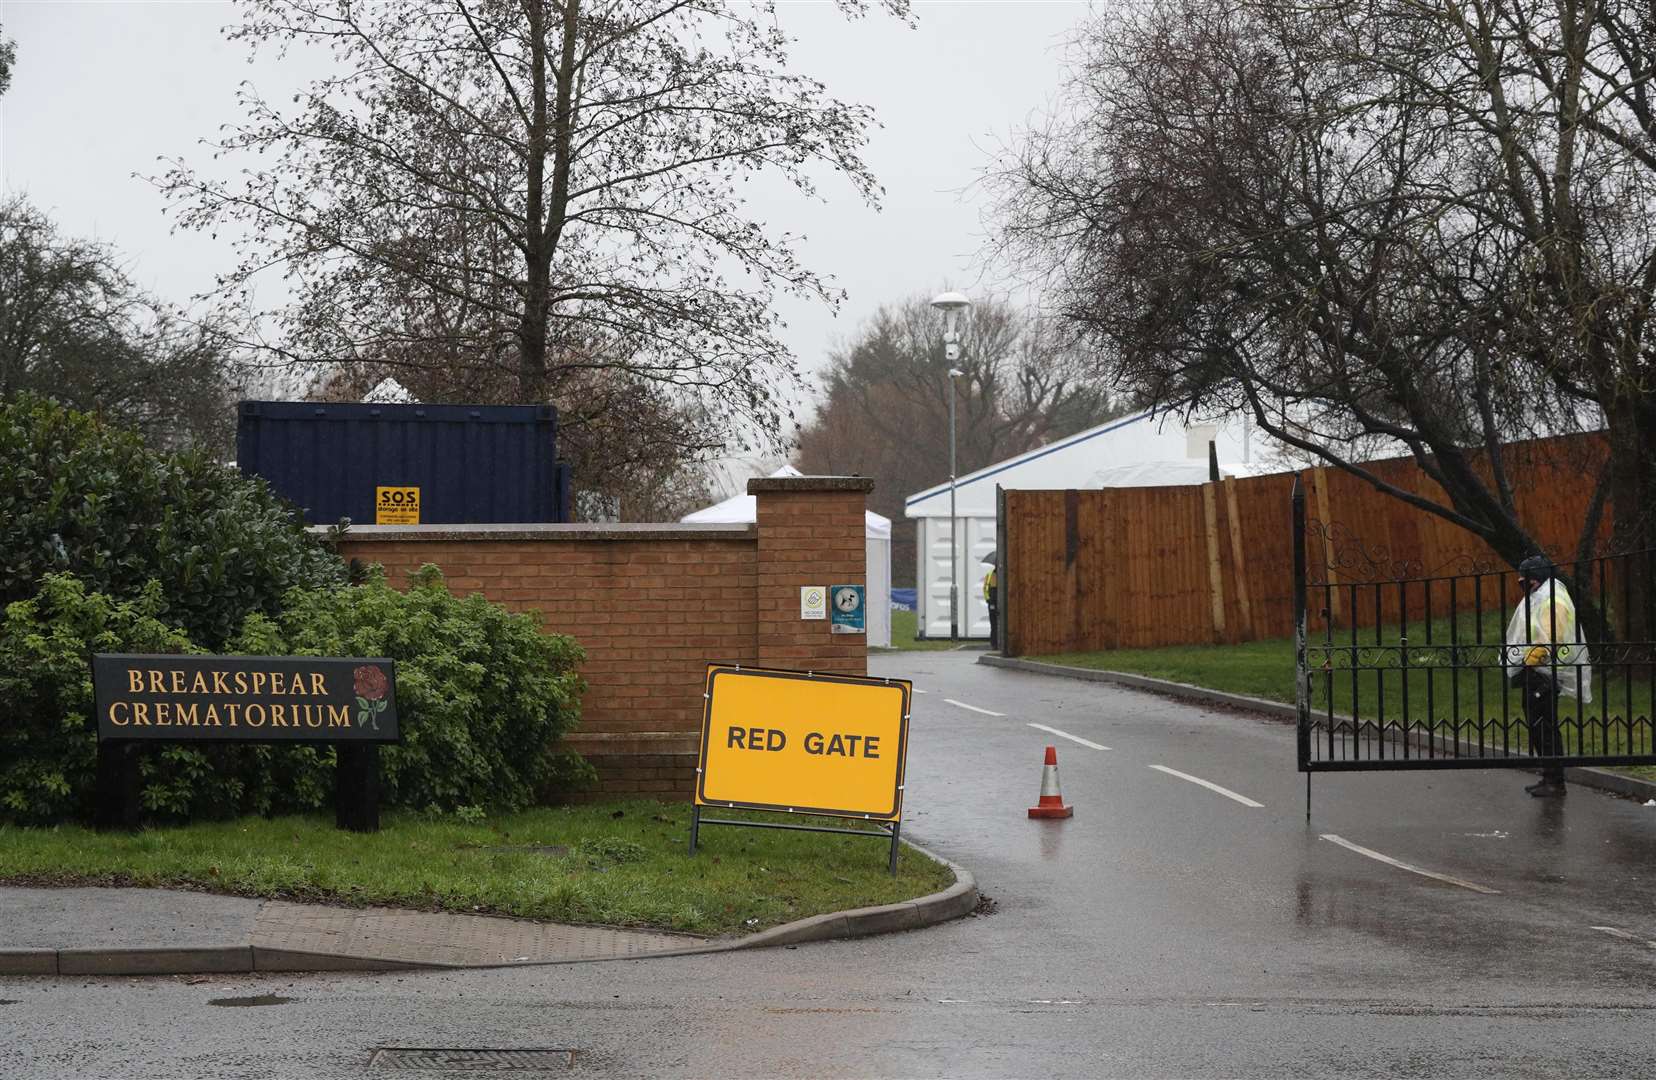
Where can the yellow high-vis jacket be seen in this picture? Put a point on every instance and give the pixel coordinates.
(1545, 635)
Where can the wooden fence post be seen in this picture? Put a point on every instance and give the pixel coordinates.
(1320, 482)
(1238, 566)
(1216, 576)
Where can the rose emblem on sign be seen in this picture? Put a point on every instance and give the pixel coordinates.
(372, 687)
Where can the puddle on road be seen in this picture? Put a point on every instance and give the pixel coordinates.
(254, 999)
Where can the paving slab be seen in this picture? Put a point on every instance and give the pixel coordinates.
(93, 918)
(439, 939)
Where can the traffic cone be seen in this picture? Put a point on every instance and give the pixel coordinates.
(1052, 801)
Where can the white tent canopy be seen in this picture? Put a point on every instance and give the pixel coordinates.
(1146, 439)
(389, 391)
(744, 509)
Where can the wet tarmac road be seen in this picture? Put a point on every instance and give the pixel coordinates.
(1166, 930)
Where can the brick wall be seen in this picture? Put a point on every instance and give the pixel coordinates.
(810, 533)
(653, 604)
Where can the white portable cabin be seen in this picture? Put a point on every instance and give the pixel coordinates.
(1150, 449)
(744, 509)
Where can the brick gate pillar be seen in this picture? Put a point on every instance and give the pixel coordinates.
(812, 531)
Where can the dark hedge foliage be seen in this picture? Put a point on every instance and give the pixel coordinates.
(80, 497)
(483, 694)
(47, 746)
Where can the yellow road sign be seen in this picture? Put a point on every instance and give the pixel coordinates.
(811, 743)
(396, 506)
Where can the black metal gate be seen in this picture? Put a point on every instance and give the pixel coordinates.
(1399, 668)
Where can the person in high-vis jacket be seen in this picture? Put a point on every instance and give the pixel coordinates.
(1546, 659)
(991, 597)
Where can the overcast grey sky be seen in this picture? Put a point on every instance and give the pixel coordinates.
(102, 89)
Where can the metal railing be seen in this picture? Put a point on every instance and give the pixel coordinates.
(1404, 668)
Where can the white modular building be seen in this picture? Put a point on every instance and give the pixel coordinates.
(744, 509)
(1151, 449)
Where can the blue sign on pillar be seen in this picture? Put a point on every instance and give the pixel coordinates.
(846, 612)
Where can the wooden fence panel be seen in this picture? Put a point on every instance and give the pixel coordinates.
(1267, 543)
(1138, 567)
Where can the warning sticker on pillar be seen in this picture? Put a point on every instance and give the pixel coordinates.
(849, 615)
(804, 742)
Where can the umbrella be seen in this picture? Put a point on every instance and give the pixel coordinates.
(989, 558)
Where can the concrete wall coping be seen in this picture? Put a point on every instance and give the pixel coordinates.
(671, 530)
(767, 485)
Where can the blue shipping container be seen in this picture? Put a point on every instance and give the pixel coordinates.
(472, 463)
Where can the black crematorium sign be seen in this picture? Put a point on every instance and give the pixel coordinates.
(351, 702)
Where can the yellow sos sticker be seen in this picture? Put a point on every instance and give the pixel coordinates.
(805, 742)
(396, 506)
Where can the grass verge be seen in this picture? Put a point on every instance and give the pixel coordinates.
(1263, 669)
(904, 625)
(615, 864)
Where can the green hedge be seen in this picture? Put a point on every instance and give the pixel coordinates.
(483, 694)
(47, 748)
(78, 496)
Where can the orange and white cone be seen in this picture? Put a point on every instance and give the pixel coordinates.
(1052, 800)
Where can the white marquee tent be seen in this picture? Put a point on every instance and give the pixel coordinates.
(744, 509)
(1146, 450)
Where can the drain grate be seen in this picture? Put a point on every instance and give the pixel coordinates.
(253, 1000)
(454, 1059)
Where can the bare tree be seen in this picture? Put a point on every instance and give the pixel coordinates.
(546, 189)
(75, 328)
(8, 59)
(884, 410)
(1366, 223)
(631, 445)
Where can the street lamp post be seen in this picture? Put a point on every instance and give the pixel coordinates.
(954, 539)
(951, 304)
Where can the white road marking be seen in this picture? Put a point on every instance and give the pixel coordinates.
(1072, 738)
(917, 690)
(1614, 931)
(973, 708)
(1389, 861)
(1210, 785)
